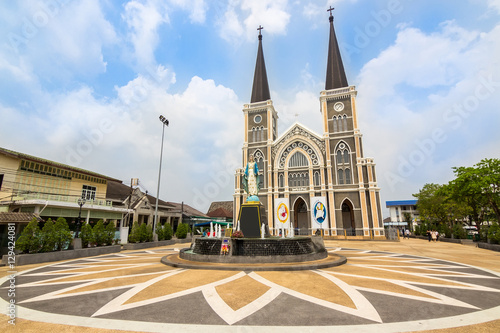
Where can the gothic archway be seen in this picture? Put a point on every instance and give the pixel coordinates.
(348, 218)
(300, 214)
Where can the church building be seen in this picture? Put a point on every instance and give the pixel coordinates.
(322, 179)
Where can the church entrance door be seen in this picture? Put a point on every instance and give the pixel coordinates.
(301, 220)
(348, 219)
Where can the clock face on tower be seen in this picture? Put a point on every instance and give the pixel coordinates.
(339, 106)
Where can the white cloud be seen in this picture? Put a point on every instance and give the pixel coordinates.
(197, 9)
(202, 143)
(143, 19)
(273, 15)
(53, 40)
(428, 103)
(495, 4)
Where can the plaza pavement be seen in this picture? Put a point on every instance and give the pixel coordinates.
(411, 285)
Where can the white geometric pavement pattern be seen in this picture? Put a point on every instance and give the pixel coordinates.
(444, 274)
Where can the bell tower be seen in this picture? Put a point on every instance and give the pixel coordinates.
(261, 127)
(353, 195)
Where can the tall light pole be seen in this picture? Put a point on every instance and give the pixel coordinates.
(164, 122)
(81, 202)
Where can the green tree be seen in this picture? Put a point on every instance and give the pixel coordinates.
(149, 233)
(489, 182)
(160, 233)
(30, 239)
(167, 231)
(407, 219)
(182, 231)
(143, 233)
(458, 231)
(63, 234)
(110, 233)
(430, 203)
(134, 236)
(86, 235)
(48, 236)
(494, 233)
(99, 233)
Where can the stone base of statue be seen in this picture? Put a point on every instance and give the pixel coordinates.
(251, 217)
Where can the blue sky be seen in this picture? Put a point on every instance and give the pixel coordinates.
(83, 83)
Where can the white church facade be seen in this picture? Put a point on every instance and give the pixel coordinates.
(323, 178)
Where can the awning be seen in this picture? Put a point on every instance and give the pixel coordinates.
(204, 224)
(396, 223)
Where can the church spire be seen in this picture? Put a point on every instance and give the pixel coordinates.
(260, 89)
(335, 74)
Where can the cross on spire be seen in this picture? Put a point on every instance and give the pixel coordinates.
(260, 28)
(331, 15)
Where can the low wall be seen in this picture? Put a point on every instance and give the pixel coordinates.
(36, 258)
(146, 245)
(492, 247)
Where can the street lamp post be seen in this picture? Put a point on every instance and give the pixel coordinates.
(81, 202)
(164, 122)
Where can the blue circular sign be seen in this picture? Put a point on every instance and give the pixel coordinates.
(319, 212)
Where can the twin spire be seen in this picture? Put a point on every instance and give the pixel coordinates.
(335, 74)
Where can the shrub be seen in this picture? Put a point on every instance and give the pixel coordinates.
(86, 235)
(160, 232)
(458, 231)
(494, 233)
(182, 231)
(167, 231)
(143, 233)
(48, 237)
(30, 239)
(99, 234)
(149, 233)
(109, 233)
(63, 234)
(134, 234)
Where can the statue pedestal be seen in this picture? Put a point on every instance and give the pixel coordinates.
(251, 217)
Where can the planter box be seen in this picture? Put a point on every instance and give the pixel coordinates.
(146, 245)
(36, 258)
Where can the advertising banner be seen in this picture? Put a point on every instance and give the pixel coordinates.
(319, 216)
(282, 213)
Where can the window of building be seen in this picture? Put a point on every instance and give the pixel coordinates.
(298, 160)
(341, 176)
(88, 192)
(343, 162)
(335, 126)
(317, 178)
(1, 181)
(280, 180)
(344, 119)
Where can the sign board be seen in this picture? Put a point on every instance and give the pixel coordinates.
(228, 232)
(282, 213)
(319, 212)
(225, 246)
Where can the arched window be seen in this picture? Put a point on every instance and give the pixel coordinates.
(345, 122)
(346, 157)
(335, 126)
(317, 178)
(298, 160)
(253, 134)
(343, 163)
(347, 176)
(340, 124)
(280, 180)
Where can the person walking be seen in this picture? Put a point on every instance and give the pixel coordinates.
(407, 233)
(429, 235)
